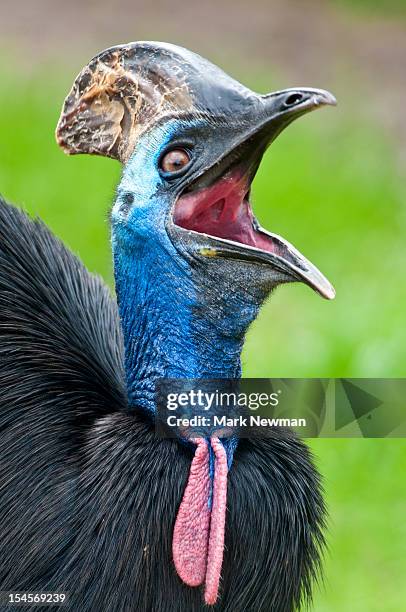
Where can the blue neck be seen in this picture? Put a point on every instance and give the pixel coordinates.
(174, 325)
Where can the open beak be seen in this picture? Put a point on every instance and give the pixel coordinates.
(216, 205)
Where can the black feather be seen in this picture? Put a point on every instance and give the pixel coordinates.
(88, 493)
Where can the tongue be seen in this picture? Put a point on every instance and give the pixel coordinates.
(198, 538)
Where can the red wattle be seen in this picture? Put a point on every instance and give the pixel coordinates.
(198, 538)
(191, 533)
(217, 524)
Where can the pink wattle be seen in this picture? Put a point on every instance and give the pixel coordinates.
(191, 533)
(198, 538)
(217, 524)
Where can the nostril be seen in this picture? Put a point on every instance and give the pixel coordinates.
(293, 99)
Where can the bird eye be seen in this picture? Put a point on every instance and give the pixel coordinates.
(174, 160)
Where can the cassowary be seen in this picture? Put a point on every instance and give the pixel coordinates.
(92, 502)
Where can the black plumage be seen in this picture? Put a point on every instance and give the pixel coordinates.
(89, 495)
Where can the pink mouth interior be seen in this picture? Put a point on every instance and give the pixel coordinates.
(223, 211)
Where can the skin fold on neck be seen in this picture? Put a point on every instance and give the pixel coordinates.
(175, 321)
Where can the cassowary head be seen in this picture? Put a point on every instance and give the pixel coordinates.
(191, 139)
(192, 264)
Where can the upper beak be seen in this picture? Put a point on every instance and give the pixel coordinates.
(296, 101)
(283, 107)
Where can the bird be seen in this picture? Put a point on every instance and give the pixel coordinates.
(93, 503)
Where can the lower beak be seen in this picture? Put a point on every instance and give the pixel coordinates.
(285, 259)
(291, 262)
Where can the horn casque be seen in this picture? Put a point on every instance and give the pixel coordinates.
(125, 89)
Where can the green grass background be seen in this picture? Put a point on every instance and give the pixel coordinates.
(388, 8)
(329, 185)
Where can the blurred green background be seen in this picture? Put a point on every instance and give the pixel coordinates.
(333, 184)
